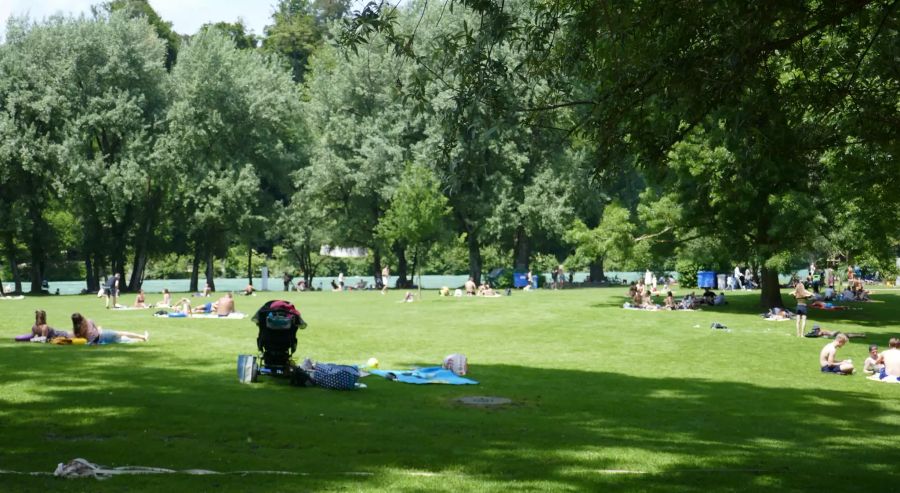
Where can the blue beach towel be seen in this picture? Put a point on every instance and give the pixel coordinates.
(421, 376)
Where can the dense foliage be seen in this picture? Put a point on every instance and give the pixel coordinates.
(669, 135)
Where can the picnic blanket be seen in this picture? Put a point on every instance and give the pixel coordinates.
(122, 307)
(422, 376)
(230, 316)
(20, 297)
(877, 378)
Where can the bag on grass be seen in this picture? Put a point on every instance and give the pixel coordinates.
(335, 377)
(457, 363)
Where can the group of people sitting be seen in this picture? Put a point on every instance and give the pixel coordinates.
(641, 297)
(484, 289)
(82, 328)
(884, 366)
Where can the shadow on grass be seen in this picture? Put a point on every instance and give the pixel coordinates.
(566, 430)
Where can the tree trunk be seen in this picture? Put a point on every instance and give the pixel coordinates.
(376, 267)
(96, 266)
(138, 268)
(89, 272)
(210, 270)
(249, 265)
(474, 257)
(36, 248)
(195, 270)
(770, 297)
(10, 248)
(596, 270)
(402, 267)
(522, 249)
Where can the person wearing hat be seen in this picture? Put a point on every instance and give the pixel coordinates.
(803, 297)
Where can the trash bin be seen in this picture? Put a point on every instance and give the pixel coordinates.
(706, 279)
(520, 279)
(720, 280)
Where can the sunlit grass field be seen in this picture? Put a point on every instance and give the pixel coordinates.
(603, 399)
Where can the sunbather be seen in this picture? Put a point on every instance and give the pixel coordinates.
(820, 332)
(827, 362)
(778, 314)
(41, 329)
(872, 364)
(87, 329)
(140, 301)
(891, 360)
(670, 302)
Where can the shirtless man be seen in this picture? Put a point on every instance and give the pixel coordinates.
(826, 357)
(470, 287)
(225, 305)
(891, 360)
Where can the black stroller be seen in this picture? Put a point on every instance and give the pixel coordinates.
(278, 322)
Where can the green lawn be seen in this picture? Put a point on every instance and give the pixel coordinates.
(604, 399)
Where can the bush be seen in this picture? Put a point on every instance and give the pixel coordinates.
(687, 273)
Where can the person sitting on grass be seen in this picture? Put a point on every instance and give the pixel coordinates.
(828, 353)
(720, 299)
(470, 287)
(225, 305)
(183, 306)
(890, 360)
(87, 329)
(167, 299)
(41, 329)
(670, 302)
(709, 297)
(207, 291)
(248, 290)
(408, 297)
(872, 365)
(140, 301)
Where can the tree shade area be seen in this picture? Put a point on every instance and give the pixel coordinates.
(672, 136)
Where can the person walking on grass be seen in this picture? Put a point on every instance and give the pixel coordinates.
(826, 357)
(112, 290)
(802, 296)
(385, 277)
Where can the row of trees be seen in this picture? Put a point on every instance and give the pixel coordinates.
(665, 135)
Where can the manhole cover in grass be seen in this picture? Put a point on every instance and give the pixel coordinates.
(483, 401)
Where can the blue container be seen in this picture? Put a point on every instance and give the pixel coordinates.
(520, 279)
(706, 279)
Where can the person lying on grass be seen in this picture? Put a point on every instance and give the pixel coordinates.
(828, 353)
(778, 314)
(872, 365)
(41, 329)
(820, 332)
(223, 307)
(87, 329)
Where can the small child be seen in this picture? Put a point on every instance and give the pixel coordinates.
(871, 365)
